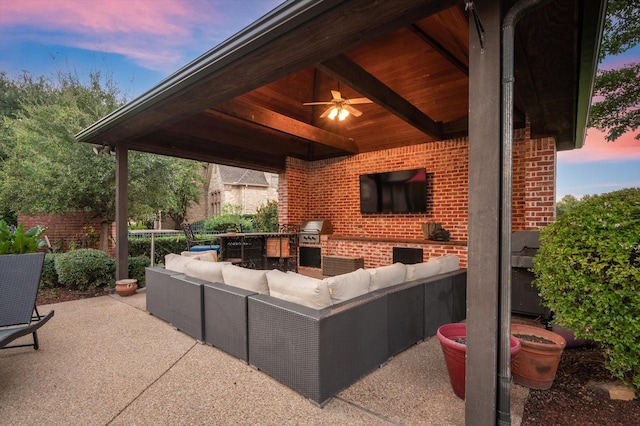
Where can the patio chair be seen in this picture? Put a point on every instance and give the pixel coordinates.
(19, 281)
(197, 243)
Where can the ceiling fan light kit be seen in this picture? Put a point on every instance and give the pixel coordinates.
(340, 107)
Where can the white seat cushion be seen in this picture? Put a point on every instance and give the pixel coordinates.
(249, 279)
(347, 286)
(300, 289)
(209, 255)
(386, 276)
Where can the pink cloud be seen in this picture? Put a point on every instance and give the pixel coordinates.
(596, 148)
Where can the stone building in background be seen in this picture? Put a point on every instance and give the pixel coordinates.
(246, 188)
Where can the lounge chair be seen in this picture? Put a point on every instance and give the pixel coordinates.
(19, 280)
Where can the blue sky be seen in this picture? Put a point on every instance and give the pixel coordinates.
(141, 42)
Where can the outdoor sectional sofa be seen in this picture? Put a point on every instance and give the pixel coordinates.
(314, 349)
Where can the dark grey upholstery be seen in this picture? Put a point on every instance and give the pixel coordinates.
(225, 318)
(317, 352)
(188, 305)
(405, 312)
(19, 281)
(159, 292)
(445, 298)
(177, 299)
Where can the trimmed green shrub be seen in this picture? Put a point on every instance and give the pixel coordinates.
(137, 267)
(49, 277)
(164, 245)
(85, 269)
(588, 273)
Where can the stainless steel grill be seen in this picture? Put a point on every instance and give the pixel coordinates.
(311, 230)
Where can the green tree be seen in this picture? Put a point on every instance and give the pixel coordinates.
(565, 204)
(46, 170)
(617, 109)
(266, 217)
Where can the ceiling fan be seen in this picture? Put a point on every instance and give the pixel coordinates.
(340, 107)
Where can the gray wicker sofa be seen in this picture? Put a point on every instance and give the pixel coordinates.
(317, 352)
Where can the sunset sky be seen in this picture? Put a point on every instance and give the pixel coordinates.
(141, 42)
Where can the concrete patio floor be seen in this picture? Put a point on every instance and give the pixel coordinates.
(106, 361)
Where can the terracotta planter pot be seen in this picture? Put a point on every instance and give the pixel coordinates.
(455, 354)
(126, 287)
(537, 362)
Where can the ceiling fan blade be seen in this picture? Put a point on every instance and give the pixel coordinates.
(326, 113)
(336, 95)
(318, 103)
(354, 101)
(352, 110)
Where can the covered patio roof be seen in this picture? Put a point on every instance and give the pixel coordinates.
(433, 73)
(241, 103)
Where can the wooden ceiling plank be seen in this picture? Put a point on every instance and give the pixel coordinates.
(351, 74)
(268, 118)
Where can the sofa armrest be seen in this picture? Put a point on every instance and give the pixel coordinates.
(318, 352)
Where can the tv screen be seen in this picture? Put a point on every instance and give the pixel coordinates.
(403, 191)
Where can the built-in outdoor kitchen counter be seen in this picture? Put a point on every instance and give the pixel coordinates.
(398, 240)
(260, 250)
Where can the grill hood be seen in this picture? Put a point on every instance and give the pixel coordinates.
(320, 227)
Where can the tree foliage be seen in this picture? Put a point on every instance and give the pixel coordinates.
(617, 109)
(44, 169)
(266, 217)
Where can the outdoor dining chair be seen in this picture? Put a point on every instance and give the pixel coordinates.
(197, 243)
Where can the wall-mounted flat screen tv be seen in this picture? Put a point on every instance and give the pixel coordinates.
(403, 191)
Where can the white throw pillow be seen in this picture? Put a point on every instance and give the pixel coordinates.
(209, 255)
(300, 289)
(449, 263)
(386, 276)
(423, 270)
(249, 279)
(347, 286)
(205, 270)
(175, 262)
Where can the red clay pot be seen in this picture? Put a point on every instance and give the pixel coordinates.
(455, 354)
(537, 363)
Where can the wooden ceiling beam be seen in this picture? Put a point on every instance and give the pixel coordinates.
(356, 77)
(273, 120)
(440, 49)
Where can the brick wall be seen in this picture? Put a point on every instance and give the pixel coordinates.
(329, 189)
(81, 229)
